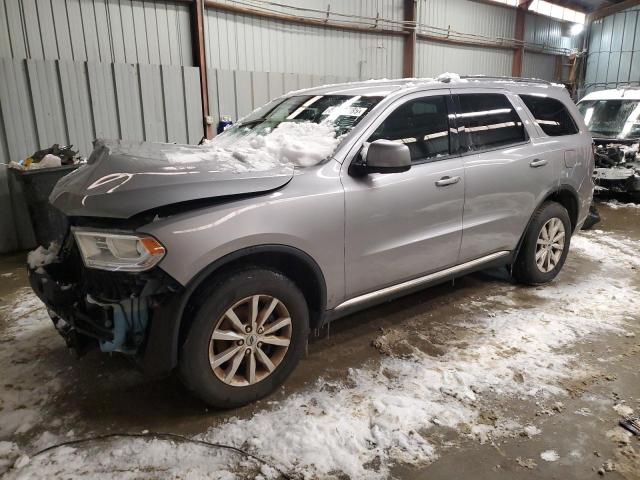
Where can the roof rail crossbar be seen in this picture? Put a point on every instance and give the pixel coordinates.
(506, 79)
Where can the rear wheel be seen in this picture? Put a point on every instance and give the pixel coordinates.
(246, 338)
(545, 245)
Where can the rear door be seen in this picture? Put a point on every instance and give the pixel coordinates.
(558, 122)
(404, 225)
(506, 172)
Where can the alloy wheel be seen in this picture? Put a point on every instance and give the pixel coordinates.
(550, 245)
(250, 340)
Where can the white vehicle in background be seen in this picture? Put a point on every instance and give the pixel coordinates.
(613, 118)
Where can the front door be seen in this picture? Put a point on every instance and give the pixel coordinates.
(401, 226)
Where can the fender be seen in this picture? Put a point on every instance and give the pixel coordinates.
(160, 356)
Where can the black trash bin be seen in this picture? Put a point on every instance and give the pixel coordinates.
(49, 224)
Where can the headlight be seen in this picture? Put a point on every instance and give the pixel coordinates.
(116, 251)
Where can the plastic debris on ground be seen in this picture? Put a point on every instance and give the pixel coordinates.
(632, 425)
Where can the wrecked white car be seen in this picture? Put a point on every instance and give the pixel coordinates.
(613, 118)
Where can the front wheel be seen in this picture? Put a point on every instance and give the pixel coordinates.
(246, 338)
(545, 245)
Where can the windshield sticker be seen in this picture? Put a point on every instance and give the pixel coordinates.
(341, 111)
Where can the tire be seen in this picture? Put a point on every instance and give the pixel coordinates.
(526, 268)
(227, 293)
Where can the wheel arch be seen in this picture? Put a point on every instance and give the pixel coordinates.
(566, 196)
(292, 262)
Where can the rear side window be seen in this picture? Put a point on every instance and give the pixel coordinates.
(551, 115)
(489, 120)
(422, 125)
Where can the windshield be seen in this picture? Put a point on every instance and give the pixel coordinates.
(612, 118)
(340, 112)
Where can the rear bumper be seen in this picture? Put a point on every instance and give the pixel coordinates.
(143, 324)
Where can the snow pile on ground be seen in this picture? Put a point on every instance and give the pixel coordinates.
(291, 143)
(26, 384)
(135, 459)
(42, 256)
(615, 205)
(550, 456)
(608, 248)
(381, 414)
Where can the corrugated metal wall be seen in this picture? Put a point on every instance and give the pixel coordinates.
(433, 58)
(75, 70)
(537, 65)
(549, 32)
(469, 17)
(241, 42)
(614, 52)
(45, 102)
(490, 21)
(126, 31)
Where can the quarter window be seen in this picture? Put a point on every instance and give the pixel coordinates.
(551, 115)
(489, 120)
(422, 125)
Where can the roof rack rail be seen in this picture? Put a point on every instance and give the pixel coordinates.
(507, 79)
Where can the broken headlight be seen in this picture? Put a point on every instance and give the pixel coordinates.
(117, 251)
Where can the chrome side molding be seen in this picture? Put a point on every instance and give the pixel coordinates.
(416, 282)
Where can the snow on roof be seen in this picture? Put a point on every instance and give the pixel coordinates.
(385, 86)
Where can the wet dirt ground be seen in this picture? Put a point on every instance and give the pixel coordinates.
(103, 394)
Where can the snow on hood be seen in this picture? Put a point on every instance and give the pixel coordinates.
(122, 178)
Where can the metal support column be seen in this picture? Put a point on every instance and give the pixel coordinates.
(410, 39)
(198, 42)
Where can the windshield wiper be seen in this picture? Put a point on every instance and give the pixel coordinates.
(252, 122)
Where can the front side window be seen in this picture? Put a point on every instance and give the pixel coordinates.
(422, 125)
(551, 115)
(489, 120)
(612, 118)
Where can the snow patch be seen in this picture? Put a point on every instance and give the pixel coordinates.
(532, 430)
(550, 456)
(133, 459)
(623, 410)
(41, 256)
(616, 205)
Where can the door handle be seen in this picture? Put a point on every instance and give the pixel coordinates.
(538, 163)
(444, 181)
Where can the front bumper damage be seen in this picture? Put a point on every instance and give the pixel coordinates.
(617, 167)
(134, 314)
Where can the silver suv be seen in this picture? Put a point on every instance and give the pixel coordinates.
(218, 260)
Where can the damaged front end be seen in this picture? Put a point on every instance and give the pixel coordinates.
(115, 311)
(617, 166)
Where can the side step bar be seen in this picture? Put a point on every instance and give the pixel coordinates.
(417, 282)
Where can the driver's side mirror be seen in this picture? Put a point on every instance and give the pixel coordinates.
(385, 156)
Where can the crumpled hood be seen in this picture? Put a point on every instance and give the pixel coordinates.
(123, 178)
